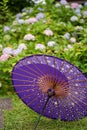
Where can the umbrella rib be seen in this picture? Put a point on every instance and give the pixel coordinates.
(74, 76)
(62, 65)
(38, 105)
(69, 69)
(23, 75)
(79, 100)
(78, 81)
(29, 89)
(77, 105)
(55, 81)
(33, 100)
(27, 72)
(33, 69)
(37, 67)
(64, 112)
(48, 65)
(29, 95)
(25, 85)
(51, 113)
(23, 80)
(58, 109)
(72, 112)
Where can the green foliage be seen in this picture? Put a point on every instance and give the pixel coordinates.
(49, 1)
(17, 5)
(4, 12)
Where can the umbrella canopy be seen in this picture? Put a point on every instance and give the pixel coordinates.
(48, 82)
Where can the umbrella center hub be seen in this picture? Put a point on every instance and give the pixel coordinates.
(53, 86)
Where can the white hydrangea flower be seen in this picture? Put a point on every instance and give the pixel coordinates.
(74, 19)
(16, 52)
(6, 28)
(78, 28)
(1, 46)
(40, 47)
(0, 84)
(57, 5)
(39, 1)
(22, 46)
(7, 50)
(20, 21)
(72, 39)
(68, 47)
(29, 37)
(51, 43)
(67, 35)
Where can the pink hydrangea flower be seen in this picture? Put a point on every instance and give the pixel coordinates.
(48, 32)
(4, 57)
(31, 20)
(74, 5)
(29, 37)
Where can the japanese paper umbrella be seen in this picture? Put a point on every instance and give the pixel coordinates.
(51, 86)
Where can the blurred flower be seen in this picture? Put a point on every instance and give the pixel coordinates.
(13, 30)
(67, 6)
(74, 18)
(24, 14)
(1, 46)
(64, 2)
(85, 4)
(72, 39)
(39, 1)
(7, 50)
(40, 16)
(80, 6)
(68, 47)
(15, 22)
(16, 52)
(22, 46)
(4, 57)
(24, 10)
(29, 37)
(19, 15)
(63, 23)
(7, 37)
(31, 20)
(67, 35)
(51, 43)
(78, 28)
(78, 11)
(48, 32)
(40, 9)
(0, 84)
(40, 47)
(20, 21)
(85, 13)
(74, 5)
(6, 28)
(30, 10)
(57, 5)
(82, 21)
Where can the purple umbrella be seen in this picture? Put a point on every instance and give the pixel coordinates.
(51, 86)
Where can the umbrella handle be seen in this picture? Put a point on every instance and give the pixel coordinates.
(41, 113)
